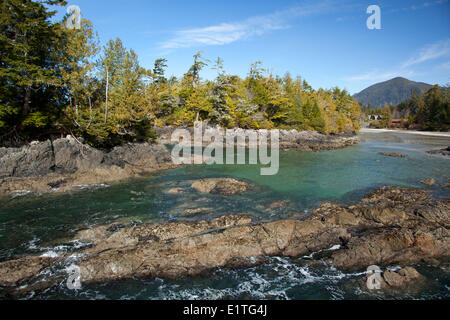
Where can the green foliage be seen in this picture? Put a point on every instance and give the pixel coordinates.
(30, 50)
(159, 70)
(429, 111)
(50, 84)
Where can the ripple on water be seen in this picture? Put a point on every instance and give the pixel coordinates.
(33, 224)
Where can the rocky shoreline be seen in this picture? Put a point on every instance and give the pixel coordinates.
(66, 164)
(289, 139)
(390, 226)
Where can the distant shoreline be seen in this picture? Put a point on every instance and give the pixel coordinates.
(423, 133)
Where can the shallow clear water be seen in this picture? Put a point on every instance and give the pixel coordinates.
(39, 224)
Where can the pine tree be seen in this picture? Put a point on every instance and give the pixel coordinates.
(30, 45)
(159, 71)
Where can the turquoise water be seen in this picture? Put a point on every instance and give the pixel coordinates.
(39, 224)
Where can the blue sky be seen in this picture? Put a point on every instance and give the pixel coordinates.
(326, 42)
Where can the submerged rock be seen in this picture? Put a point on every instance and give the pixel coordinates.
(278, 204)
(222, 186)
(196, 211)
(443, 152)
(428, 182)
(175, 191)
(393, 154)
(390, 226)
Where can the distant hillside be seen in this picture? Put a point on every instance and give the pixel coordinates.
(391, 92)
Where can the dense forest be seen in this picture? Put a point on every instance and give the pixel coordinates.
(429, 111)
(385, 114)
(58, 80)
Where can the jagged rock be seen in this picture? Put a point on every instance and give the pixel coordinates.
(393, 279)
(223, 186)
(390, 226)
(42, 166)
(14, 271)
(29, 161)
(409, 273)
(133, 154)
(443, 152)
(401, 278)
(71, 156)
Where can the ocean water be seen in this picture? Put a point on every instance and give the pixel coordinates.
(44, 224)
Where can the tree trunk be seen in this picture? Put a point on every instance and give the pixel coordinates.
(26, 102)
(107, 86)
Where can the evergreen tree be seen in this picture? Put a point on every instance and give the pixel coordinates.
(30, 46)
(159, 71)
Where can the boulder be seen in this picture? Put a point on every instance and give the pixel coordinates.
(393, 279)
(409, 273)
(222, 186)
(401, 278)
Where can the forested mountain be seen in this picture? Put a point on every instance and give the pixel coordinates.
(391, 92)
(57, 80)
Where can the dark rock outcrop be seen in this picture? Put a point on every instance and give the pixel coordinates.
(442, 152)
(71, 156)
(42, 166)
(33, 160)
(68, 156)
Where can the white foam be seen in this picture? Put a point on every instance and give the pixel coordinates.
(20, 193)
(50, 254)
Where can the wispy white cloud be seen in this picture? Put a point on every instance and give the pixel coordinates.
(433, 51)
(436, 50)
(424, 5)
(225, 33)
